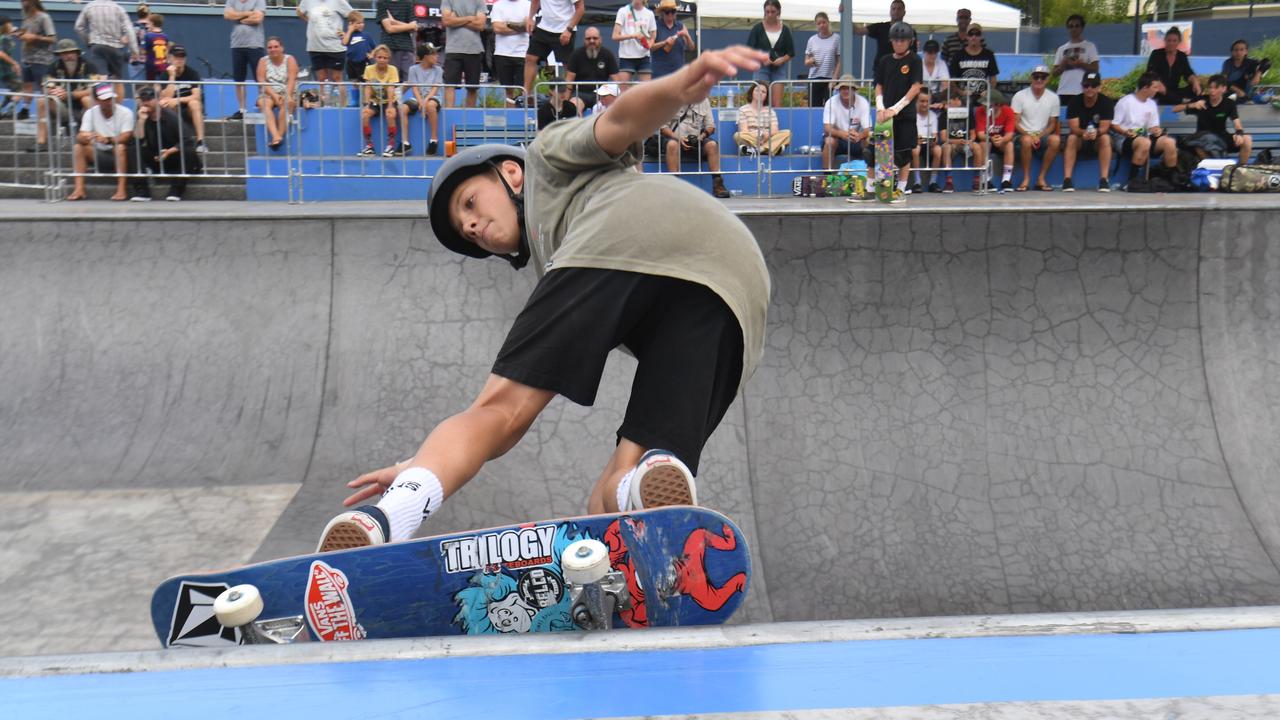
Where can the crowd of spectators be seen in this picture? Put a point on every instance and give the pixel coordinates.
(949, 108)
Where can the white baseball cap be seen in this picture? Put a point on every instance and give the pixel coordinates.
(608, 89)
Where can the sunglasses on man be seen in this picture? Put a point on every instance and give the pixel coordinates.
(975, 33)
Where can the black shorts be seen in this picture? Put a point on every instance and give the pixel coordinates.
(543, 42)
(510, 70)
(412, 107)
(695, 153)
(460, 65)
(107, 60)
(327, 60)
(687, 342)
(905, 136)
(355, 71)
(244, 62)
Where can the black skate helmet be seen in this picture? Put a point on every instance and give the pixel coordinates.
(901, 31)
(454, 171)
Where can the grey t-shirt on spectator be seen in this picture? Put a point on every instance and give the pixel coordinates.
(325, 20)
(248, 36)
(424, 78)
(37, 52)
(460, 39)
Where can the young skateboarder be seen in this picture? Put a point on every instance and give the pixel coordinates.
(898, 79)
(683, 289)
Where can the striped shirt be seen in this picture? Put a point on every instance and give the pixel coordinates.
(103, 22)
(756, 122)
(825, 52)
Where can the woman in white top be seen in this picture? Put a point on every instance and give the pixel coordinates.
(278, 81)
(758, 124)
(634, 30)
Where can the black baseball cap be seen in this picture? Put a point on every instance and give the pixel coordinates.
(178, 50)
(146, 92)
(931, 45)
(1092, 79)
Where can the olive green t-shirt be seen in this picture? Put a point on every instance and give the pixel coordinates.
(586, 209)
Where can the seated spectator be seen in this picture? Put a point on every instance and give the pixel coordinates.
(1136, 131)
(380, 80)
(105, 142)
(758, 124)
(688, 137)
(1171, 67)
(559, 105)
(167, 146)
(930, 143)
(1089, 117)
(1001, 131)
(422, 94)
(592, 63)
(359, 52)
(935, 73)
(277, 96)
(846, 122)
(65, 100)
(1213, 112)
(184, 94)
(1037, 109)
(1242, 72)
(606, 94)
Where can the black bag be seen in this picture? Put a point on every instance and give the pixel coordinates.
(1138, 184)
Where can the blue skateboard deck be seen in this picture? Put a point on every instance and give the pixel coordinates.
(683, 566)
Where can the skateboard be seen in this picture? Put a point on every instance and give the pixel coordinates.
(669, 566)
(886, 172)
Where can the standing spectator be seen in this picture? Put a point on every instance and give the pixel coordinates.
(165, 145)
(248, 44)
(359, 52)
(1242, 72)
(935, 74)
(955, 42)
(105, 141)
(758, 125)
(688, 138)
(64, 100)
(846, 124)
(1000, 129)
(591, 63)
(277, 90)
(898, 80)
(155, 48)
(510, 43)
(553, 32)
(184, 94)
(106, 29)
(1037, 109)
(635, 29)
(975, 66)
(1074, 58)
(1213, 112)
(1172, 67)
(380, 80)
(324, 44)
(1089, 117)
(880, 31)
(10, 70)
(463, 51)
(931, 141)
(672, 41)
(37, 35)
(772, 36)
(1136, 131)
(399, 32)
(822, 57)
(422, 94)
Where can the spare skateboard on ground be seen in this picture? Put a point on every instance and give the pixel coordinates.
(665, 567)
(886, 171)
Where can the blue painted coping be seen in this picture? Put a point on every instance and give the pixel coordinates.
(768, 678)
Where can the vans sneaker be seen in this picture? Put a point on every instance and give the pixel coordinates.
(366, 525)
(661, 479)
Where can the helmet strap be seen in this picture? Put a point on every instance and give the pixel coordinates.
(521, 257)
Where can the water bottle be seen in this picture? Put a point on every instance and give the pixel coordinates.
(1092, 130)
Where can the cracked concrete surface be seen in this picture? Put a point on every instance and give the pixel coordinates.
(957, 412)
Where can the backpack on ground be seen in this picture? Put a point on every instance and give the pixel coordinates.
(1250, 178)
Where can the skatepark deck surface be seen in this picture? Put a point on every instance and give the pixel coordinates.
(964, 407)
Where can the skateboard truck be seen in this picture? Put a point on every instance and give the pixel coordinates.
(596, 591)
(240, 606)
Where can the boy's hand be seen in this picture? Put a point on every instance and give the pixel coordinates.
(373, 484)
(715, 65)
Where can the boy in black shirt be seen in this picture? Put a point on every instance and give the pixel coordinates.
(1213, 112)
(1089, 117)
(184, 93)
(974, 65)
(899, 78)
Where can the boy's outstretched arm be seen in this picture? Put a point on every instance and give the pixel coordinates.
(645, 107)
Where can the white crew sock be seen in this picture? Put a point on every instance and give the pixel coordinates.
(1008, 173)
(415, 496)
(624, 490)
(902, 185)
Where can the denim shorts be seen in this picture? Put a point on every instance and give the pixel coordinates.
(635, 66)
(771, 74)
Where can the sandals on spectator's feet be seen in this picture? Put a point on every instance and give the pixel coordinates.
(1044, 187)
(1021, 188)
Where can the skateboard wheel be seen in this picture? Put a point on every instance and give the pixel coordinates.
(585, 561)
(238, 606)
